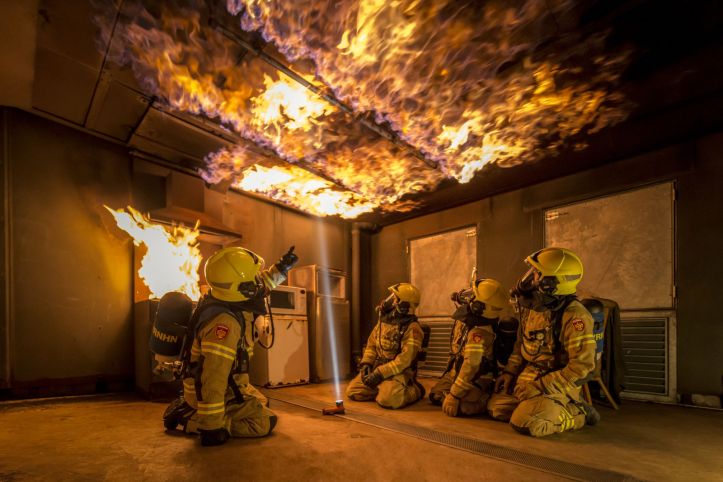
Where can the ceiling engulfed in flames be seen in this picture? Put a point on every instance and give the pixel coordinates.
(346, 106)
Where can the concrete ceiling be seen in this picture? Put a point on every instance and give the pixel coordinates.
(57, 69)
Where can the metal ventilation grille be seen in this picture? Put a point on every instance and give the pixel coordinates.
(438, 350)
(645, 351)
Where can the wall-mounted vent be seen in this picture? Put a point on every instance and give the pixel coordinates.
(645, 351)
(438, 350)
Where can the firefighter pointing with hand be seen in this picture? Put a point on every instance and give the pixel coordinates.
(218, 401)
(538, 392)
(388, 368)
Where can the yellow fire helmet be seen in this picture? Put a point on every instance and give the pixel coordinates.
(232, 274)
(492, 294)
(560, 269)
(406, 292)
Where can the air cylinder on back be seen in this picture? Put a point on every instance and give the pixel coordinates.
(169, 327)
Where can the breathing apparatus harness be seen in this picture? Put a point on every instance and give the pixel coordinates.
(557, 306)
(176, 326)
(398, 314)
(469, 312)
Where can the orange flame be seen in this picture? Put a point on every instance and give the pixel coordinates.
(172, 259)
(294, 186)
(464, 84)
(287, 104)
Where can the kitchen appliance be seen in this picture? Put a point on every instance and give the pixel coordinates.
(288, 300)
(329, 320)
(287, 361)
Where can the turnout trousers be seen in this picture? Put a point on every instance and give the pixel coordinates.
(473, 403)
(245, 417)
(537, 416)
(394, 392)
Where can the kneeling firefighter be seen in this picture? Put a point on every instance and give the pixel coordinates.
(465, 386)
(218, 401)
(538, 392)
(388, 368)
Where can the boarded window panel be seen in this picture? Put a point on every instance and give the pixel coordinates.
(625, 242)
(439, 265)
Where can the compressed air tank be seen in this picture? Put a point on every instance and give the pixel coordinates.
(169, 327)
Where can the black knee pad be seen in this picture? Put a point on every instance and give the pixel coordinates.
(522, 430)
(436, 398)
(272, 421)
(422, 390)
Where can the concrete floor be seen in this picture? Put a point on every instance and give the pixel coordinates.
(121, 438)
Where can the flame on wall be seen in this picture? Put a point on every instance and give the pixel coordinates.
(172, 257)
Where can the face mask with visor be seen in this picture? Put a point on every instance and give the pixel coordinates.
(255, 289)
(534, 291)
(392, 302)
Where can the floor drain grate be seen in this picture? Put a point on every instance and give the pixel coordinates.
(538, 462)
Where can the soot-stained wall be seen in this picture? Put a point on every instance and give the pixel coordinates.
(69, 326)
(70, 277)
(269, 231)
(510, 226)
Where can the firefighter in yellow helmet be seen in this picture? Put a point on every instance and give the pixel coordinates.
(538, 392)
(389, 366)
(466, 385)
(218, 401)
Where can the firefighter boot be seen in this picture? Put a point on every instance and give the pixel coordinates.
(177, 413)
(421, 388)
(592, 416)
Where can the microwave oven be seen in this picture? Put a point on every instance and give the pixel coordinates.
(288, 300)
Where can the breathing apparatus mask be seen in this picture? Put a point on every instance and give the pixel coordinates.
(254, 290)
(393, 303)
(465, 300)
(535, 292)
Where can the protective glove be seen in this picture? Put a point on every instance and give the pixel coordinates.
(217, 436)
(365, 370)
(505, 382)
(287, 261)
(450, 406)
(374, 379)
(528, 390)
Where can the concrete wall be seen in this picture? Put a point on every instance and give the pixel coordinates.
(69, 317)
(70, 278)
(510, 226)
(269, 231)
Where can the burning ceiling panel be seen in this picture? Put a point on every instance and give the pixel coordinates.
(357, 106)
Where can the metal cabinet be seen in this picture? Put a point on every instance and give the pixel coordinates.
(329, 321)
